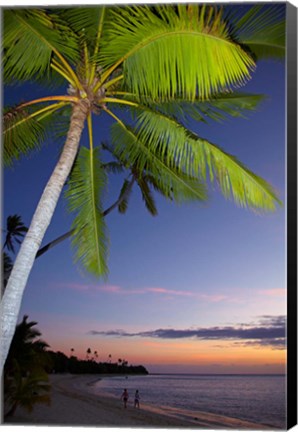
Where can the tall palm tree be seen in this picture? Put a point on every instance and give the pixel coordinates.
(157, 64)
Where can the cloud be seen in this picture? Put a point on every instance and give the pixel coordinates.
(274, 292)
(88, 288)
(269, 331)
(160, 291)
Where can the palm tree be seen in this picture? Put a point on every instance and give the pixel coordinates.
(14, 229)
(7, 267)
(26, 391)
(27, 348)
(88, 352)
(25, 377)
(157, 64)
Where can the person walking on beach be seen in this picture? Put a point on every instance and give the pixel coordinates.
(137, 399)
(124, 397)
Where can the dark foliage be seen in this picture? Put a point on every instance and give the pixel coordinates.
(63, 364)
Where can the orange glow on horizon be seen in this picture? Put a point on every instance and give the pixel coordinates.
(223, 356)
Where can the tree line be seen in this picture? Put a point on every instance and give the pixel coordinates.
(61, 363)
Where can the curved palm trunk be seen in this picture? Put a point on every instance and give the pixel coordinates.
(12, 298)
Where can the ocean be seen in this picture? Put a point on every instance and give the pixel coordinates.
(255, 398)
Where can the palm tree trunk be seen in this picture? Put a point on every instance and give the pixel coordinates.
(12, 298)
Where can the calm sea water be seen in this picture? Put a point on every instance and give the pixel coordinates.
(256, 398)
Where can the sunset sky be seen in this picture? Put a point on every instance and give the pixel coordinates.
(198, 288)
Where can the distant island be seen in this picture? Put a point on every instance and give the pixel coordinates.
(60, 363)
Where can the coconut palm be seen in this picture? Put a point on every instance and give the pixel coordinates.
(147, 68)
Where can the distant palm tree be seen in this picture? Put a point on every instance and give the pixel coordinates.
(15, 230)
(88, 352)
(7, 267)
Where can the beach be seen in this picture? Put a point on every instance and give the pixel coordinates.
(74, 403)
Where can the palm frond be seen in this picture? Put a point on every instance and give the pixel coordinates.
(173, 183)
(147, 196)
(32, 33)
(84, 21)
(85, 188)
(235, 180)
(165, 54)
(262, 30)
(34, 388)
(25, 130)
(164, 135)
(113, 167)
(57, 123)
(219, 108)
(184, 151)
(21, 135)
(14, 228)
(125, 194)
(7, 265)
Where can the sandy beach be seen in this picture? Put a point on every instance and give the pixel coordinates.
(74, 403)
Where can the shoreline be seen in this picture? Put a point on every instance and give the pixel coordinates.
(75, 403)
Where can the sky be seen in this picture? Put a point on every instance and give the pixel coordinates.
(199, 288)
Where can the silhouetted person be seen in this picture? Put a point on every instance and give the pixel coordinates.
(124, 397)
(137, 399)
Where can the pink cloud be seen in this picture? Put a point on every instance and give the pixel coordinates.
(171, 292)
(274, 292)
(90, 288)
(208, 297)
(116, 289)
(213, 298)
(110, 288)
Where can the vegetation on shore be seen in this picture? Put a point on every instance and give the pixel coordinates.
(29, 362)
(63, 364)
(25, 370)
